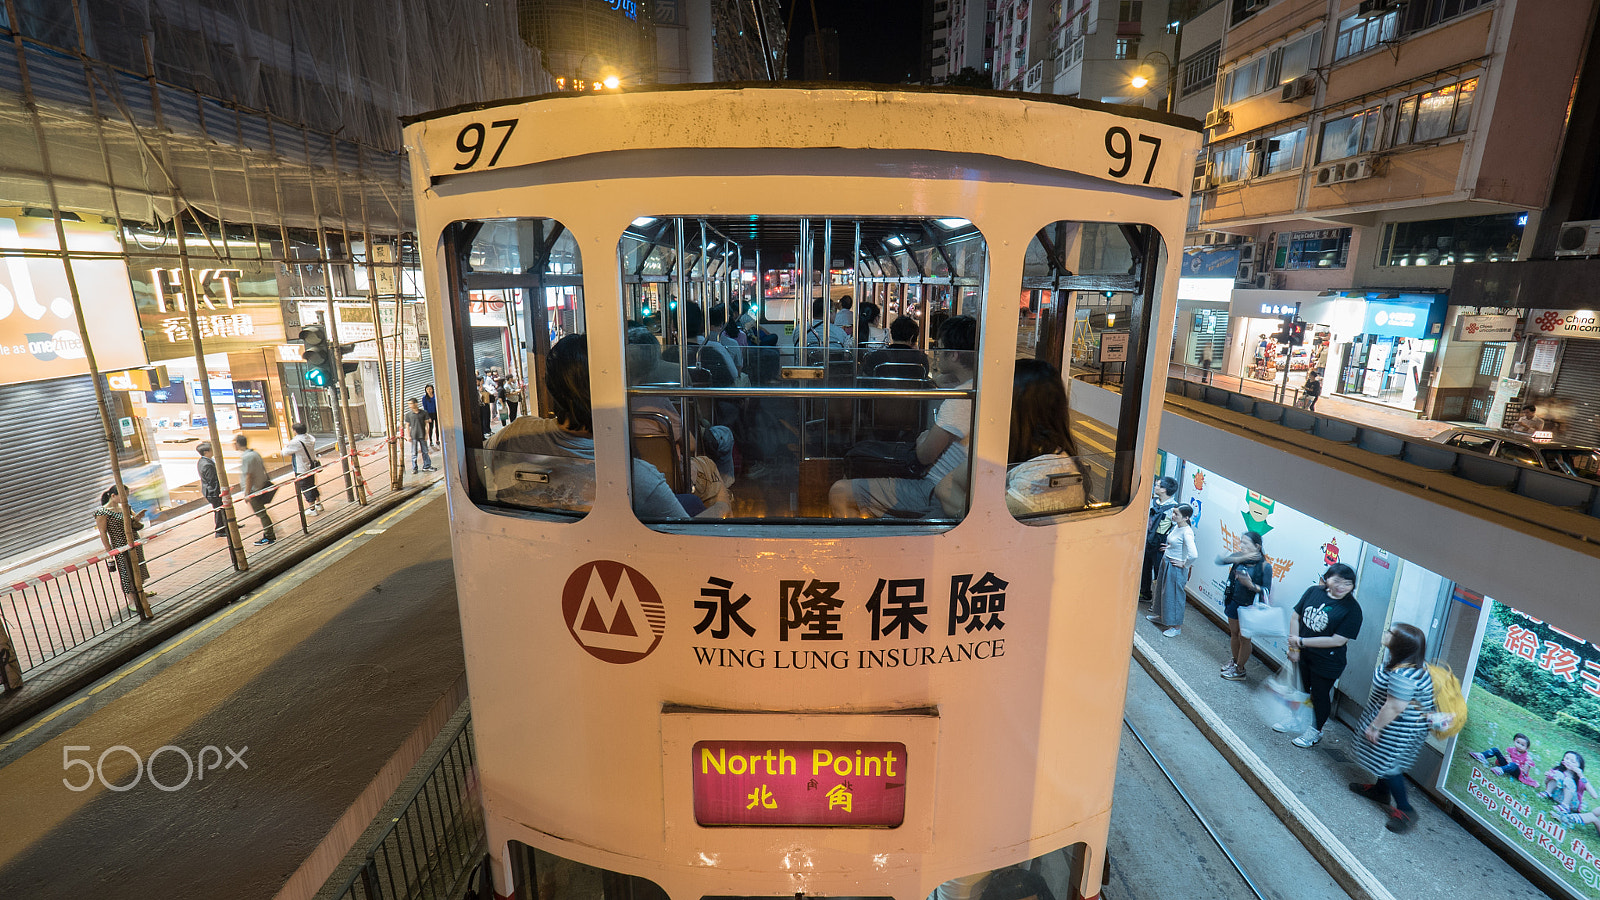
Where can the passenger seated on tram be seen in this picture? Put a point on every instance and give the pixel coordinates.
(658, 417)
(902, 349)
(1042, 475)
(571, 434)
(819, 332)
(943, 447)
(869, 334)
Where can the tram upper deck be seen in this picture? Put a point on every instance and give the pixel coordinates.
(740, 526)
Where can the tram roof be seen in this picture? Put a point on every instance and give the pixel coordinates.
(1132, 112)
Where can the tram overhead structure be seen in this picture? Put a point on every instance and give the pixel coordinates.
(647, 683)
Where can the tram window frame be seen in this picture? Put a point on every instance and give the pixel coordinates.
(807, 383)
(1062, 284)
(545, 478)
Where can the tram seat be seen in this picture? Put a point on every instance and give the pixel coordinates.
(532, 481)
(895, 418)
(899, 370)
(660, 450)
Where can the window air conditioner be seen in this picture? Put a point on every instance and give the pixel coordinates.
(1218, 118)
(1345, 170)
(1579, 238)
(1372, 9)
(1299, 87)
(1259, 145)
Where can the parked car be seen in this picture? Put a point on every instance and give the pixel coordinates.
(1527, 449)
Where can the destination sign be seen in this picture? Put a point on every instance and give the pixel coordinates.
(826, 784)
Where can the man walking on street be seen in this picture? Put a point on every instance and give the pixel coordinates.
(302, 450)
(211, 488)
(417, 432)
(252, 478)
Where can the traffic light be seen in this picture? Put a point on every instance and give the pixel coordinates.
(318, 356)
(1283, 334)
(1297, 333)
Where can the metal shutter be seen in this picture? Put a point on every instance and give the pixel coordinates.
(489, 349)
(53, 462)
(1576, 400)
(418, 375)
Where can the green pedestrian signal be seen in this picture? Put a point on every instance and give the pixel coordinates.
(316, 377)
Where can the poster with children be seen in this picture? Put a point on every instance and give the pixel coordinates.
(1533, 726)
(1299, 547)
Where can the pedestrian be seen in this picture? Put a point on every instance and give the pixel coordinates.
(1249, 578)
(1162, 500)
(1395, 723)
(252, 481)
(485, 403)
(302, 451)
(113, 536)
(1176, 562)
(511, 396)
(430, 406)
(211, 488)
(1325, 620)
(1205, 367)
(1313, 389)
(1530, 420)
(417, 432)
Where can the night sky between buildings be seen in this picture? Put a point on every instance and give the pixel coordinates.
(879, 40)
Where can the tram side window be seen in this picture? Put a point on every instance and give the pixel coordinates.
(521, 368)
(803, 370)
(1088, 292)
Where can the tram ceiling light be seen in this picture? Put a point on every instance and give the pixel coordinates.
(953, 224)
(644, 221)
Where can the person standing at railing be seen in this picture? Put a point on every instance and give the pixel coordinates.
(113, 536)
(252, 479)
(302, 450)
(417, 434)
(211, 488)
(1313, 389)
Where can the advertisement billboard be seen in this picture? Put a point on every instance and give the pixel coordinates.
(238, 306)
(1534, 696)
(39, 337)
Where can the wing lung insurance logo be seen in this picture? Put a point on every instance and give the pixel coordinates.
(613, 611)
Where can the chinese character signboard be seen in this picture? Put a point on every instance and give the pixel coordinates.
(1113, 346)
(1533, 722)
(1486, 328)
(236, 306)
(830, 784)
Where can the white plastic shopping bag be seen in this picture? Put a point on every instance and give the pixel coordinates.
(1263, 621)
(1283, 699)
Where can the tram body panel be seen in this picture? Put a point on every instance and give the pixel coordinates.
(592, 759)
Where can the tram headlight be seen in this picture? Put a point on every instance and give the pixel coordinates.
(612, 82)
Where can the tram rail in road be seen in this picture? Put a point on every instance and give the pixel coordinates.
(1184, 823)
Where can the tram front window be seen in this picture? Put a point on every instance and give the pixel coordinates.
(517, 290)
(797, 370)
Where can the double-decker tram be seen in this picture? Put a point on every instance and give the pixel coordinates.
(791, 557)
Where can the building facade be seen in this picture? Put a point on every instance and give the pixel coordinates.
(156, 156)
(1359, 153)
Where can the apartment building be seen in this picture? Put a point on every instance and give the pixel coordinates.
(971, 35)
(1358, 151)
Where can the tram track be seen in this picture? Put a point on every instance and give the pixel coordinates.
(1185, 823)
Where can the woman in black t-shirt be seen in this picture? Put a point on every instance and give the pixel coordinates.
(1325, 620)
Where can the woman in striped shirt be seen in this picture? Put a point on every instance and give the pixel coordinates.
(1395, 722)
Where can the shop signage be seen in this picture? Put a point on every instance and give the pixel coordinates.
(1564, 323)
(1486, 328)
(1533, 680)
(39, 336)
(1211, 262)
(1113, 346)
(1280, 309)
(827, 784)
(236, 307)
(355, 323)
(1544, 355)
(1396, 318)
(250, 399)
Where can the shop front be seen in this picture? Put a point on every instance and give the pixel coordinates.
(1389, 361)
(1205, 289)
(51, 430)
(241, 330)
(1561, 368)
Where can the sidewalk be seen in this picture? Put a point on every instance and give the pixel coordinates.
(1437, 859)
(1332, 405)
(68, 620)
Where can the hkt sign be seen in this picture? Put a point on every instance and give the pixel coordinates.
(613, 611)
(827, 784)
(1568, 323)
(165, 281)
